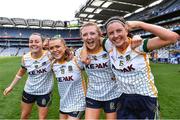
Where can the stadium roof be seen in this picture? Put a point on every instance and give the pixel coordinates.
(93, 10)
(101, 10)
(30, 23)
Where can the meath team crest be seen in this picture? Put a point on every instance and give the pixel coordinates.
(128, 57)
(105, 56)
(62, 71)
(70, 68)
(35, 63)
(36, 66)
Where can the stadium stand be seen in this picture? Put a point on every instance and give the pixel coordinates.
(18, 37)
(9, 52)
(22, 51)
(165, 13)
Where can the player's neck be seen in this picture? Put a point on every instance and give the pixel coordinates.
(37, 55)
(62, 60)
(96, 50)
(123, 47)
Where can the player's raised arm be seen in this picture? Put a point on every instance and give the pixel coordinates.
(163, 37)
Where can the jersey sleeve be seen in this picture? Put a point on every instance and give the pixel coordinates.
(107, 45)
(142, 49)
(78, 58)
(78, 51)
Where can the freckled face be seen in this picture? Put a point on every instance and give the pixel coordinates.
(35, 43)
(91, 37)
(57, 49)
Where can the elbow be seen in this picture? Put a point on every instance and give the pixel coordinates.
(174, 38)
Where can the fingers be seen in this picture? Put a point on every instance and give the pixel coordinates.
(136, 41)
(135, 44)
(7, 91)
(86, 61)
(137, 37)
(84, 58)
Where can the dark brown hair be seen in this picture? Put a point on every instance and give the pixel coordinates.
(117, 19)
(114, 19)
(38, 34)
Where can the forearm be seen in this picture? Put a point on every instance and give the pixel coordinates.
(162, 33)
(163, 37)
(15, 81)
(18, 76)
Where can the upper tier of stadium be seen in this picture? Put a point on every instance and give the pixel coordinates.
(14, 32)
(100, 10)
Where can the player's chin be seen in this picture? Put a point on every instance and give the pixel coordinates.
(35, 50)
(91, 47)
(118, 44)
(57, 57)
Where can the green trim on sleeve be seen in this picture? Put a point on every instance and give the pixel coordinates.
(103, 44)
(145, 45)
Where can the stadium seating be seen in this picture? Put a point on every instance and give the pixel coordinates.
(22, 51)
(26, 32)
(9, 52)
(14, 40)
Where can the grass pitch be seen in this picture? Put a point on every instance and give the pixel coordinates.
(167, 80)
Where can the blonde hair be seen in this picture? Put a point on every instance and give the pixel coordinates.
(91, 24)
(68, 54)
(58, 37)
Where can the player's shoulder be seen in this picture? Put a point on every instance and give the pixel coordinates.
(78, 51)
(27, 55)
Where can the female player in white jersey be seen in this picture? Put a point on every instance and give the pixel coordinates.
(39, 83)
(71, 85)
(131, 67)
(102, 90)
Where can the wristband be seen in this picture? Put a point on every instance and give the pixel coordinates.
(19, 77)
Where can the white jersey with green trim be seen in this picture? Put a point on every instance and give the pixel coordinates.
(70, 85)
(132, 71)
(101, 80)
(40, 76)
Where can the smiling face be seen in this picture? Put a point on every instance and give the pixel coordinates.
(117, 33)
(91, 37)
(35, 43)
(57, 48)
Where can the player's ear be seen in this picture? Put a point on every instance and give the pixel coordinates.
(101, 34)
(126, 27)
